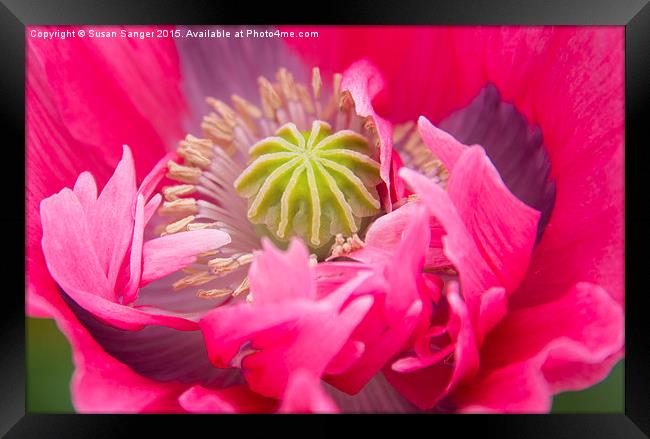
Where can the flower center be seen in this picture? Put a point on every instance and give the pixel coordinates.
(301, 164)
(312, 184)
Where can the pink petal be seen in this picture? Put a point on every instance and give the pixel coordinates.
(137, 103)
(320, 335)
(85, 189)
(226, 329)
(235, 399)
(170, 253)
(268, 279)
(71, 260)
(403, 278)
(304, 394)
(475, 275)
(385, 234)
(100, 383)
(442, 144)
(493, 308)
(63, 79)
(398, 289)
(424, 381)
(377, 354)
(131, 318)
(522, 366)
(52, 162)
(76, 268)
(586, 320)
(503, 227)
(349, 354)
(438, 68)
(155, 175)
(110, 223)
(286, 335)
(364, 81)
(135, 267)
(517, 388)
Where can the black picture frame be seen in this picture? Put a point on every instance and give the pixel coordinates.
(633, 14)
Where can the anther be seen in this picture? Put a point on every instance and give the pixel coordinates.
(185, 174)
(178, 226)
(224, 266)
(214, 293)
(343, 246)
(228, 114)
(316, 82)
(182, 206)
(243, 287)
(172, 193)
(194, 279)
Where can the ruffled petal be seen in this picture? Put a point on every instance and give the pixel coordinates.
(567, 344)
(319, 336)
(425, 380)
(378, 353)
(63, 78)
(52, 162)
(73, 263)
(286, 333)
(268, 274)
(110, 220)
(503, 228)
(517, 388)
(475, 275)
(398, 309)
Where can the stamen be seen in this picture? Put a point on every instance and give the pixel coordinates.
(343, 246)
(224, 266)
(172, 193)
(418, 155)
(195, 151)
(286, 84)
(245, 107)
(193, 279)
(178, 226)
(316, 82)
(227, 113)
(243, 287)
(214, 293)
(219, 132)
(270, 99)
(201, 226)
(401, 130)
(182, 206)
(185, 174)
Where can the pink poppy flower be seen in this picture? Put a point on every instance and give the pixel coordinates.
(451, 205)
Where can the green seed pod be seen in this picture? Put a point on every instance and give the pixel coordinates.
(311, 184)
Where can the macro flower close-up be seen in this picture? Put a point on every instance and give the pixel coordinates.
(357, 220)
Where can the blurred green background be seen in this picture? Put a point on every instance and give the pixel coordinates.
(49, 368)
